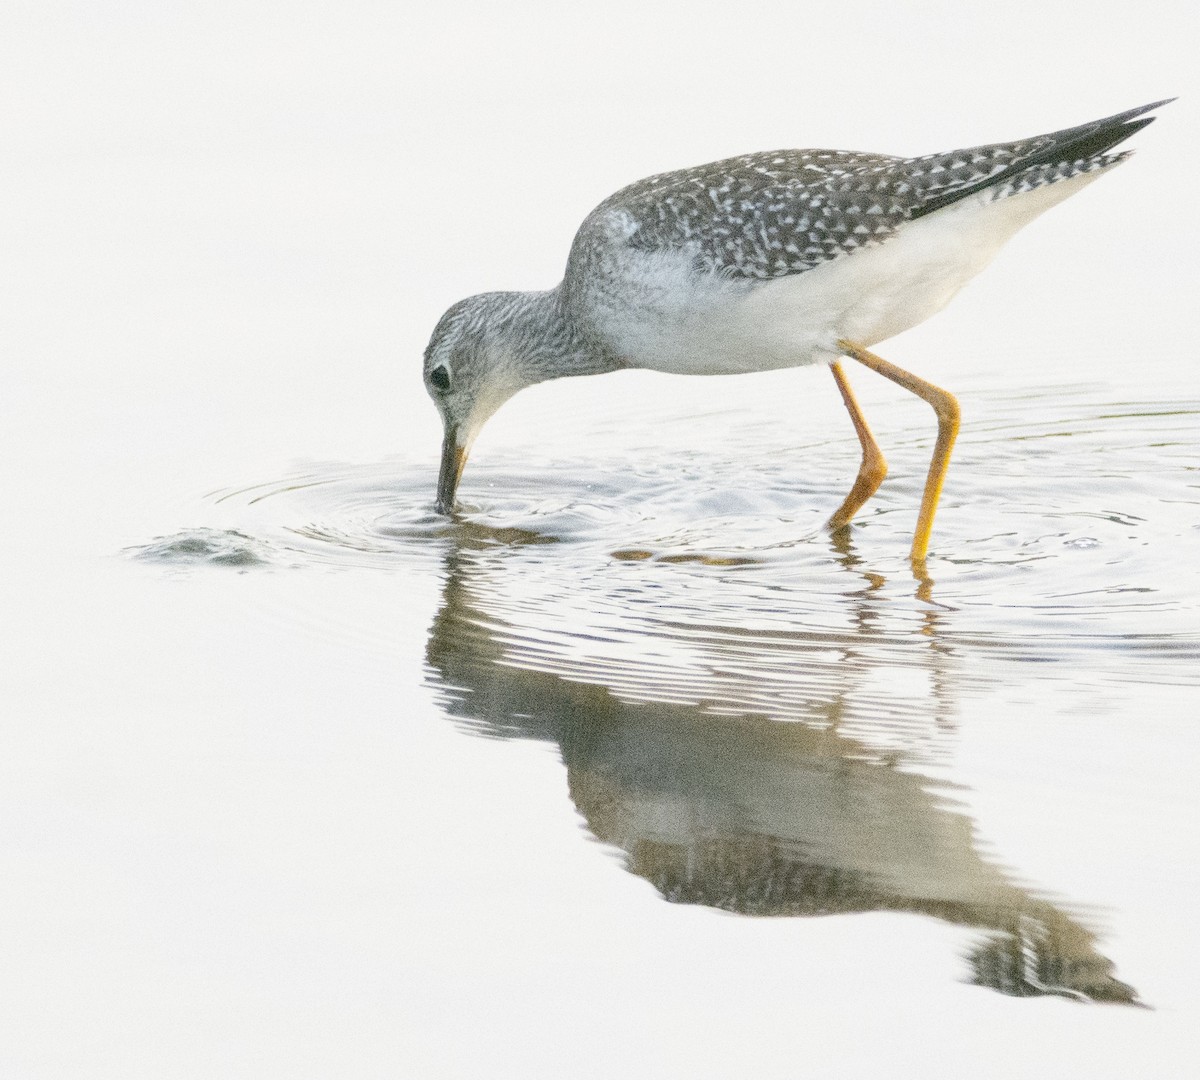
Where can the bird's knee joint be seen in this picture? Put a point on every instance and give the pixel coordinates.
(947, 409)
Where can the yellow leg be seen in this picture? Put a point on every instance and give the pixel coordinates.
(873, 468)
(946, 407)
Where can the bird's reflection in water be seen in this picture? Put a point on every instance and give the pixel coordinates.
(717, 806)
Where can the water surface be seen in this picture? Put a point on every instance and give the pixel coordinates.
(757, 716)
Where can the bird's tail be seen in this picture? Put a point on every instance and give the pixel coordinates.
(1076, 144)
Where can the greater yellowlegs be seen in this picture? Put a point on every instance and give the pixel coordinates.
(765, 261)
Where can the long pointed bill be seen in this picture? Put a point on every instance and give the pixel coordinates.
(454, 458)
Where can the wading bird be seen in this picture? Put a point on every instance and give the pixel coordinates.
(765, 261)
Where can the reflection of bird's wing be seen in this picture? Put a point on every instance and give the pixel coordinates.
(772, 214)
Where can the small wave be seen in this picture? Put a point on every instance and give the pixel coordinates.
(206, 547)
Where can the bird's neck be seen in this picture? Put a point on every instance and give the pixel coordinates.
(547, 342)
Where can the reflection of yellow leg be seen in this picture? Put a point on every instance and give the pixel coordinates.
(873, 468)
(946, 407)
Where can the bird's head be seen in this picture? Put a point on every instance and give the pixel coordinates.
(474, 363)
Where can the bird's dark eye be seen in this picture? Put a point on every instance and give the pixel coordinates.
(439, 378)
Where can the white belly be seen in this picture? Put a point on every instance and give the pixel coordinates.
(671, 320)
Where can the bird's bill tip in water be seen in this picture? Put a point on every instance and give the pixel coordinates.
(454, 459)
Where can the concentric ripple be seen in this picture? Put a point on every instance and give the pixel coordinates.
(1052, 539)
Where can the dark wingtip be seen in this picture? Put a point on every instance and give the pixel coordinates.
(1146, 108)
(1088, 140)
(1128, 114)
(1070, 144)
